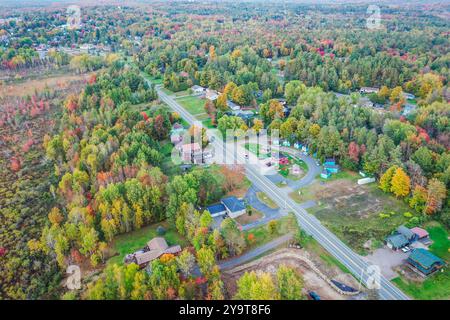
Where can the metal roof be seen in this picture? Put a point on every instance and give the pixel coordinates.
(216, 208)
(425, 258)
(233, 204)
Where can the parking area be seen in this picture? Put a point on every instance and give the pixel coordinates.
(387, 260)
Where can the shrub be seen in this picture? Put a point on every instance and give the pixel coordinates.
(408, 215)
(160, 231)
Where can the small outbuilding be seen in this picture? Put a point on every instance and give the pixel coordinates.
(421, 234)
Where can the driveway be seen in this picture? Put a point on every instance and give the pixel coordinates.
(233, 262)
(269, 213)
(387, 260)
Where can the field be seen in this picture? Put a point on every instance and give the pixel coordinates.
(130, 242)
(354, 213)
(194, 105)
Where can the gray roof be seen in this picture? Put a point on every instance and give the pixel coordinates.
(406, 232)
(397, 240)
(233, 204)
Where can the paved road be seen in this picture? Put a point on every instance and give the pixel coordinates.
(234, 262)
(357, 266)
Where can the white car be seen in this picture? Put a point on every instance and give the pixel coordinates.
(406, 249)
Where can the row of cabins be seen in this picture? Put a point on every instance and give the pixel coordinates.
(420, 259)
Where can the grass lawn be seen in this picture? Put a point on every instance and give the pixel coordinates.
(154, 80)
(262, 234)
(354, 213)
(246, 219)
(194, 105)
(312, 245)
(208, 124)
(266, 200)
(441, 243)
(135, 240)
(436, 286)
(349, 175)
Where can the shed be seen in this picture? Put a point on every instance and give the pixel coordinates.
(325, 174)
(424, 261)
(421, 233)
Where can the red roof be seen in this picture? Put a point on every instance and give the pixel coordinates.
(422, 233)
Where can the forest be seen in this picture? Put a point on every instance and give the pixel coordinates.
(85, 162)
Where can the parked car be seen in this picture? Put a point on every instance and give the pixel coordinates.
(313, 295)
(406, 249)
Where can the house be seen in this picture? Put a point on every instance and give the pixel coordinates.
(217, 210)
(154, 249)
(233, 106)
(234, 206)
(191, 152)
(325, 174)
(407, 233)
(396, 241)
(420, 233)
(331, 166)
(409, 108)
(176, 138)
(408, 96)
(184, 74)
(197, 89)
(211, 95)
(424, 261)
(368, 90)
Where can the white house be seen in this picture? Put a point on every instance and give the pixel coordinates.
(197, 89)
(233, 106)
(369, 90)
(211, 94)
